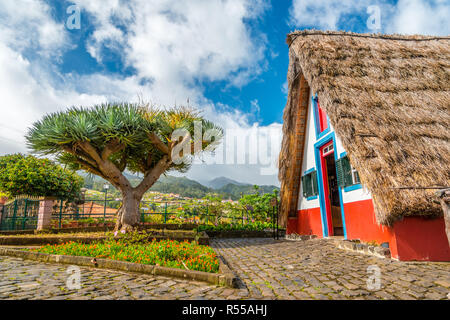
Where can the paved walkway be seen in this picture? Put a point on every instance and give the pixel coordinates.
(268, 269)
(316, 269)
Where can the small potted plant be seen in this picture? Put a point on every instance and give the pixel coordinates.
(65, 224)
(101, 223)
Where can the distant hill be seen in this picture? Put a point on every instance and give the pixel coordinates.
(224, 187)
(180, 185)
(235, 191)
(221, 182)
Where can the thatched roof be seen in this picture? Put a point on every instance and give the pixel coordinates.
(388, 99)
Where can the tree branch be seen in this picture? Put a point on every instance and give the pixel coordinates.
(153, 175)
(112, 147)
(79, 154)
(123, 163)
(156, 141)
(106, 167)
(91, 151)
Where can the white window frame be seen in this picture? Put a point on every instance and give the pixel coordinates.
(354, 172)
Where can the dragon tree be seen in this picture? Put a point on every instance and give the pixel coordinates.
(105, 140)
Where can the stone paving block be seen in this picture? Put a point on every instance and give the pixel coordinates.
(317, 269)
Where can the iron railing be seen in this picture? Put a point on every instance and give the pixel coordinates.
(19, 214)
(22, 214)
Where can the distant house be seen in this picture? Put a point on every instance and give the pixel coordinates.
(367, 140)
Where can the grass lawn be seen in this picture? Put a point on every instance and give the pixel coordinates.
(167, 253)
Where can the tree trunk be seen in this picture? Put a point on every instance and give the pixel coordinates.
(128, 217)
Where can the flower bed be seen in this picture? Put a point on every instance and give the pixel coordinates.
(167, 253)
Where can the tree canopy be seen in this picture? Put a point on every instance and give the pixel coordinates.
(28, 175)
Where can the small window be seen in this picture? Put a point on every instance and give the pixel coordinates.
(309, 184)
(328, 149)
(347, 175)
(355, 176)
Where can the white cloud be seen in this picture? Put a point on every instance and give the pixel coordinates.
(180, 42)
(26, 24)
(324, 14)
(428, 17)
(421, 17)
(175, 47)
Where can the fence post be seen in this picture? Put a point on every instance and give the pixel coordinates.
(60, 214)
(45, 214)
(2, 207)
(273, 221)
(13, 223)
(165, 213)
(25, 214)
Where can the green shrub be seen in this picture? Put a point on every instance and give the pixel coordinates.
(253, 226)
(28, 175)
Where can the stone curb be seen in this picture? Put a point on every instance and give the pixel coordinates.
(376, 251)
(224, 278)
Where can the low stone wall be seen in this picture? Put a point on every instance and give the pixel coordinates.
(203, 239)
(185, 227)
(225, 277)
(243, 234)
(377, 251)
(298, 237)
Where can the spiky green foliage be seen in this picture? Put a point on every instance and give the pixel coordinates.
(122, 131)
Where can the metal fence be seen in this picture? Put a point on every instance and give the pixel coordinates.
(154, 212)
(20, 214)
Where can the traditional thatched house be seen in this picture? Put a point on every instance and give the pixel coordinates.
(367, 140)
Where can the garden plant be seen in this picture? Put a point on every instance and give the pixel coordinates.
(166, 253)
(28, 175)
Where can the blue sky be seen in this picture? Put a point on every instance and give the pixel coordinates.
(228, 57)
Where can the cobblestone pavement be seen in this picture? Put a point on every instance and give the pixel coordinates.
(26, 279)
(316, 269)
(268, 269)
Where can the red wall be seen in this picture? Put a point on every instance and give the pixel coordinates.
(291, 226)
(422, 239)
(361, 224)
(308, 222)
(412, 238)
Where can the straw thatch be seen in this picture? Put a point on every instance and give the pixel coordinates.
(388, 99)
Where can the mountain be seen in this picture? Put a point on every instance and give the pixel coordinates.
(224, 187)
(180, 185)
(235, 191)
(221, 182)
